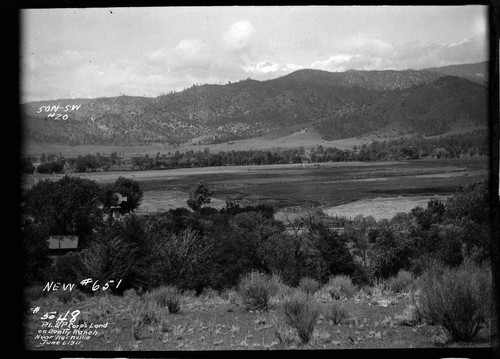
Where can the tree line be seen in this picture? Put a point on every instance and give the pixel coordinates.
(411, 148)
(199, 246)
(472, 144)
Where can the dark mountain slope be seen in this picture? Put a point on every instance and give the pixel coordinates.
(340, 105)
(477, 72)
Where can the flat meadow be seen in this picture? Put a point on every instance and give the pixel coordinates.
(307, 185)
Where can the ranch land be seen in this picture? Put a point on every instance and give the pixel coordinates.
(299, 188)
(377, 316)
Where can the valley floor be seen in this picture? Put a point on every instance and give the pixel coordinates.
(357, 187)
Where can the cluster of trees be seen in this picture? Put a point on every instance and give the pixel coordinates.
(70, 206)
(454, 146)
(449, 232)
(58, 164)
(206, 247)
(401, 149)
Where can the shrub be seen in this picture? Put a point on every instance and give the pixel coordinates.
(301, 313)
(50, 167)
(63, 296)
(285, 336)
(169, 297)
(182, 259)
(401, 283)
(130, 294)
(309, 285)
(456, 298)
(410, 316)
(276, 285)
(255, 290)
(66, 296)
(107, 258)
(32, 293)
(209, 293)
(78, 295)
(144, 313)
(231, 296)
(335, 312)
(340, 286)
(66, 268)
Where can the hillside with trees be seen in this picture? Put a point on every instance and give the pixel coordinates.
(340, 105)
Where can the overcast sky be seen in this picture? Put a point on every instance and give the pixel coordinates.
(70, 53)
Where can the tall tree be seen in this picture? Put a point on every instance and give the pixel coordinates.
(69, 206)
(125, 191)
(199, 196)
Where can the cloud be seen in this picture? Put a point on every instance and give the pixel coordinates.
(334, 62)
(363, 52)
(66, 58)
(239, 35)
(292, 67)
(262, 67)
(367, 44)
(419, 55)
(188, 56)
(236, 55)
(464, 41)
(189, 46)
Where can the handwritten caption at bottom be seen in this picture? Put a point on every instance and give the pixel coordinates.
(64, 331)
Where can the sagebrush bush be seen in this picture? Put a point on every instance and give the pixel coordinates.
(276, 285)
(130, 294)
(301, 312)
(458, 298)
(335, 312)
(309, 285)
(146, 312)
(143, 313)
(255, 290)
(169, 297)
(410, 316)
(403, 282)
(340, 286)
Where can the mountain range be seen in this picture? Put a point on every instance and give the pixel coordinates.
(337, 104)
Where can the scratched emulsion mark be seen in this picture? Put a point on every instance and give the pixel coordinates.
(58, 112)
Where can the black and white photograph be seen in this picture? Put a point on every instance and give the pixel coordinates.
(253, 178)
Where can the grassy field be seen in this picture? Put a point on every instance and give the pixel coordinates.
(381, 208)
(214, 321)
(308, 186)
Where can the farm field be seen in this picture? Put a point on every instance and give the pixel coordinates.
(214, 321)
(308, 186)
